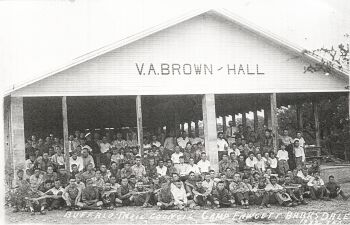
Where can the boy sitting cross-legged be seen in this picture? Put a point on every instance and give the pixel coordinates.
(222, 197)
(109, 197)
(72, 196)
(165, 197)
(201, 194)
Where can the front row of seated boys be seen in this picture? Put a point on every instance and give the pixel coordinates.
(175, 192)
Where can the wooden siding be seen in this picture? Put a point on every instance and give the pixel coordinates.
(205, 39)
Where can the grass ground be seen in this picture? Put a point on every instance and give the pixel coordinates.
(316, 212)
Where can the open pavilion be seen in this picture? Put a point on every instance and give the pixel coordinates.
(198, 67)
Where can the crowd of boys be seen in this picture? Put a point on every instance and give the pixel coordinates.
(108, 172)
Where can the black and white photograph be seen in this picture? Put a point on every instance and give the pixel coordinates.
(175, 112)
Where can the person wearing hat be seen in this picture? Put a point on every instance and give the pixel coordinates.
(95, 148)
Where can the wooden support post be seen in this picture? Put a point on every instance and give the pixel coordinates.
(182, 127)
(210, 131)
(256, 121)
(267, 117)
(317, 123)
(176, 123)
(139, 124)
(224, 126)
(189, 128)
(234, 119)
(196, 128)
(7, 142)
(17, 134)
(299, 117)
(347, 147)
(65, 132)
(274, 120)
(244, 121)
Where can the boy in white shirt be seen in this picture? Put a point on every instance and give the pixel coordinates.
(204, 164)
(299, 154)
(282, 156)
(180, 197)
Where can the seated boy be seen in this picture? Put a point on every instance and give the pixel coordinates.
(155, 187)
(317, 188)
(17, 196)
(222, 197)
(90, 196)
(55, 200)
(36, 200)
(125, 192)
(165, 197)
(190, 183)
(240, 191)
(334, 189)
(277, 193)
(109, 197)
(180, 197)
(141, 195)
(201, 195)
(294, 191)
(72, 196)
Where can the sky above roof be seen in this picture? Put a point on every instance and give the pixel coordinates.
(39, 36)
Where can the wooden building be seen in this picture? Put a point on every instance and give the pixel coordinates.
(199, 66)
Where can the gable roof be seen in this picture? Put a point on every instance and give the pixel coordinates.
(220, 12)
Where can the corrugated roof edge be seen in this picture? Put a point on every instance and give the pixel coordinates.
(221, 12)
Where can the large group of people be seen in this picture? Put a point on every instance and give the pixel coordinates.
(107, 171)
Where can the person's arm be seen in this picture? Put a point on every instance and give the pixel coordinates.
(226, 145)
(92, 161)
(310, 183)
(196, 192)
(189, 184)
(268, 187)
(302, 155)
(184, 196)
(78, 197)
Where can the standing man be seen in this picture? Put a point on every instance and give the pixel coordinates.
(96, 152)
(231, 133)
(299, 154)
(222, 145)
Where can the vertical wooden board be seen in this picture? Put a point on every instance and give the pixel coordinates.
(7, 142)
(210, 131)
(274, 121)
(317, 123)
(196, 128)
(65, 132)
(234, 119)
(299, 117)
(224, 126)
(139, 124)
(244, 120)
(17, 134)
(256, 121)
(189, 128)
